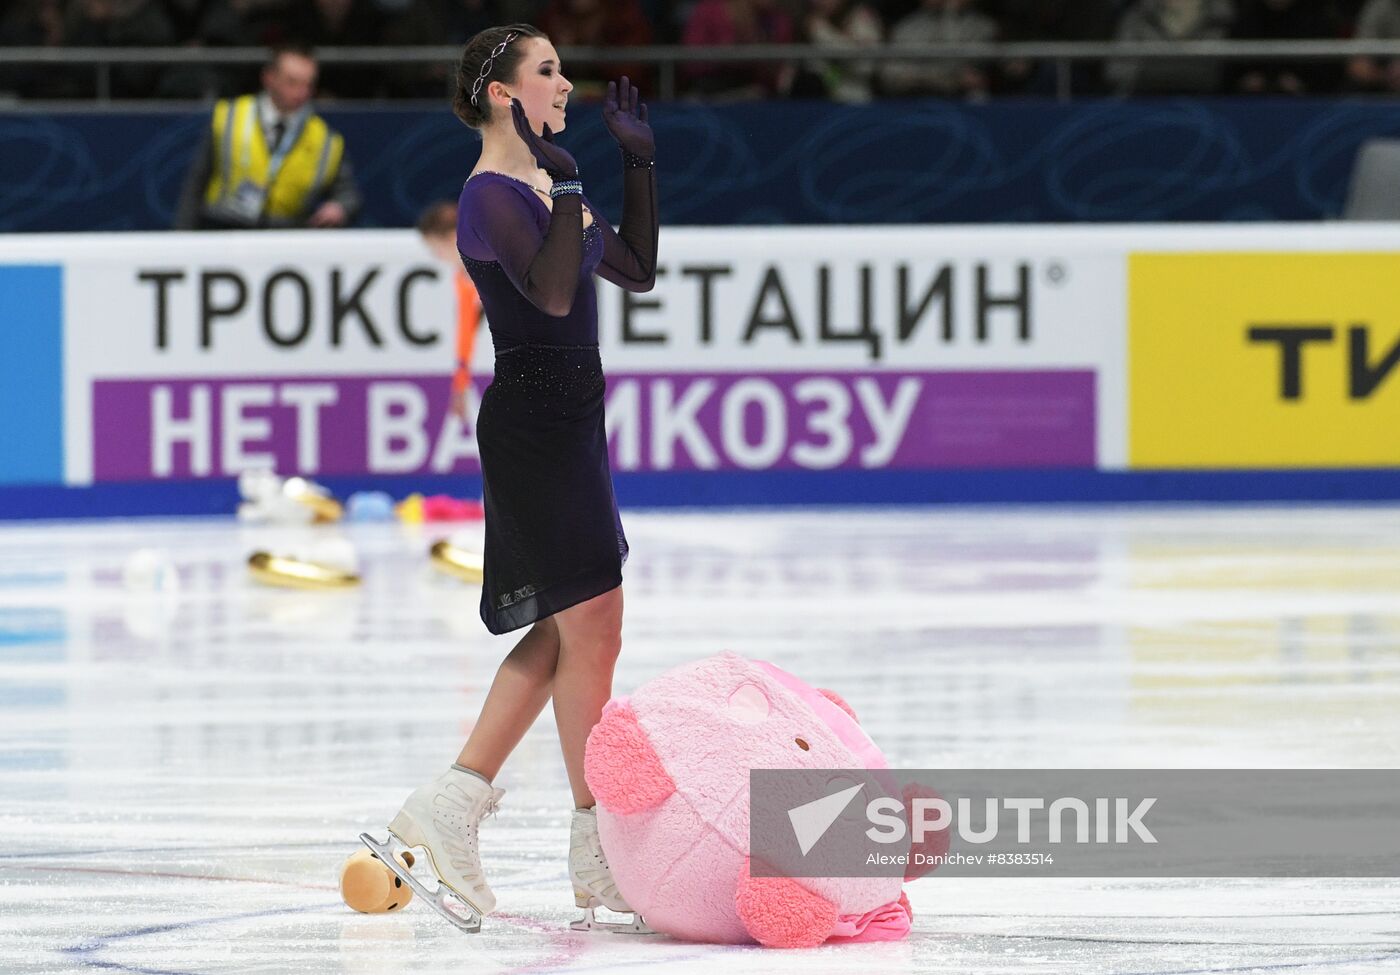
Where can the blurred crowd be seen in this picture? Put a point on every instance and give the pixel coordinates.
(852, 24)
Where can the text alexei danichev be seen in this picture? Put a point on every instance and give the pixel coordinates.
(957, 859)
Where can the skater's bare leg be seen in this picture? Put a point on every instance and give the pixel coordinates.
(590, 638)
(518, 694)
(444, 815)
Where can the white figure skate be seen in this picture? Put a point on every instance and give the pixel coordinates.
(593, 882)
(442, 818)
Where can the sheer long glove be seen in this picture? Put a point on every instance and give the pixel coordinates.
(553, 159)
(625, 115)
(629, 254)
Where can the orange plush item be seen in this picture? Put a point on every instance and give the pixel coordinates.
(370, 887)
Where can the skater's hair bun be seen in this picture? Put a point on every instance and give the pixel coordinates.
(503, 67)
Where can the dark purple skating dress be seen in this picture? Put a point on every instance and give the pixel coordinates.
(553, 535)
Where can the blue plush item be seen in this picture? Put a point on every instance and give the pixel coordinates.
(370, 506)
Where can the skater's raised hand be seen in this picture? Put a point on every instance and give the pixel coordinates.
(553, 159)
(625, 115)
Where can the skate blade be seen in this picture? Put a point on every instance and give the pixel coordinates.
(590, 922)
(457, 912)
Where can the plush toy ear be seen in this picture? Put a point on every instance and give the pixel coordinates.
(778, 912)
(839, 701)
(620, 765)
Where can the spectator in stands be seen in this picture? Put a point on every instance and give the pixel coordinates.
(1054, 20)
(726, 22)
(1379, 20)
(1172, 20)
(1286, 20)
(121, 23)
(839, 23)
(667, 19)
(417, 23)
(340, 23)
(216, 23)
(269, 160)
(1346, 12)
(940, 22)
(33, 23)
(270, 22)
(464, 19)
(599, 23)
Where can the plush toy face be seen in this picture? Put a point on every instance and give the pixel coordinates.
(370, 887)
(713, 722)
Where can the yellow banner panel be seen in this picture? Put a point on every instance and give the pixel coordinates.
(1264, 360)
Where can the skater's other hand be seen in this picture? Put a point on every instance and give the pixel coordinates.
(625, 115)
(553, 159)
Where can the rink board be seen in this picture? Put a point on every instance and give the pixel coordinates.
(768, 365)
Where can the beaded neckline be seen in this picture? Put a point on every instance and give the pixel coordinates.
(493, 172)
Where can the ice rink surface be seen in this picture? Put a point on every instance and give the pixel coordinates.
(186, 756)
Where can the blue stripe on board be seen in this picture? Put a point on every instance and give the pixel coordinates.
(31, 394)
(775, 488)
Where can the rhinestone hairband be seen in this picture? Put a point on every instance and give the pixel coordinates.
(486, 65)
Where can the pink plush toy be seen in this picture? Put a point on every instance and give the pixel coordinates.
(669, 766)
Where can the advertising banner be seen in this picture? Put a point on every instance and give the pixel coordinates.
(201, 356)
(1273, 360)
(1062, 354)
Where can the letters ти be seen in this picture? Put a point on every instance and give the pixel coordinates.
(1363, 377)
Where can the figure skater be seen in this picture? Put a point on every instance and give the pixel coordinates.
(554, 543)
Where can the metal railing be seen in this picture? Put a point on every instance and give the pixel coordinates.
(1063, 55)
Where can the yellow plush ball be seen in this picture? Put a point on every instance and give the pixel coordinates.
(370, 887)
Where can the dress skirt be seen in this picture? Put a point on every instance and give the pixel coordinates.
(553, 535)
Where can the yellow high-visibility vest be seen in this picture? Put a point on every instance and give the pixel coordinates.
(241, 156)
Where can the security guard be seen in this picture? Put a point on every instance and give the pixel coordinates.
(269, 161)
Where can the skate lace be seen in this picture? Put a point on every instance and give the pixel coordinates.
(492, 804)
(459, 838)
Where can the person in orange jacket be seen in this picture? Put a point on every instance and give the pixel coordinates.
(438, 226)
